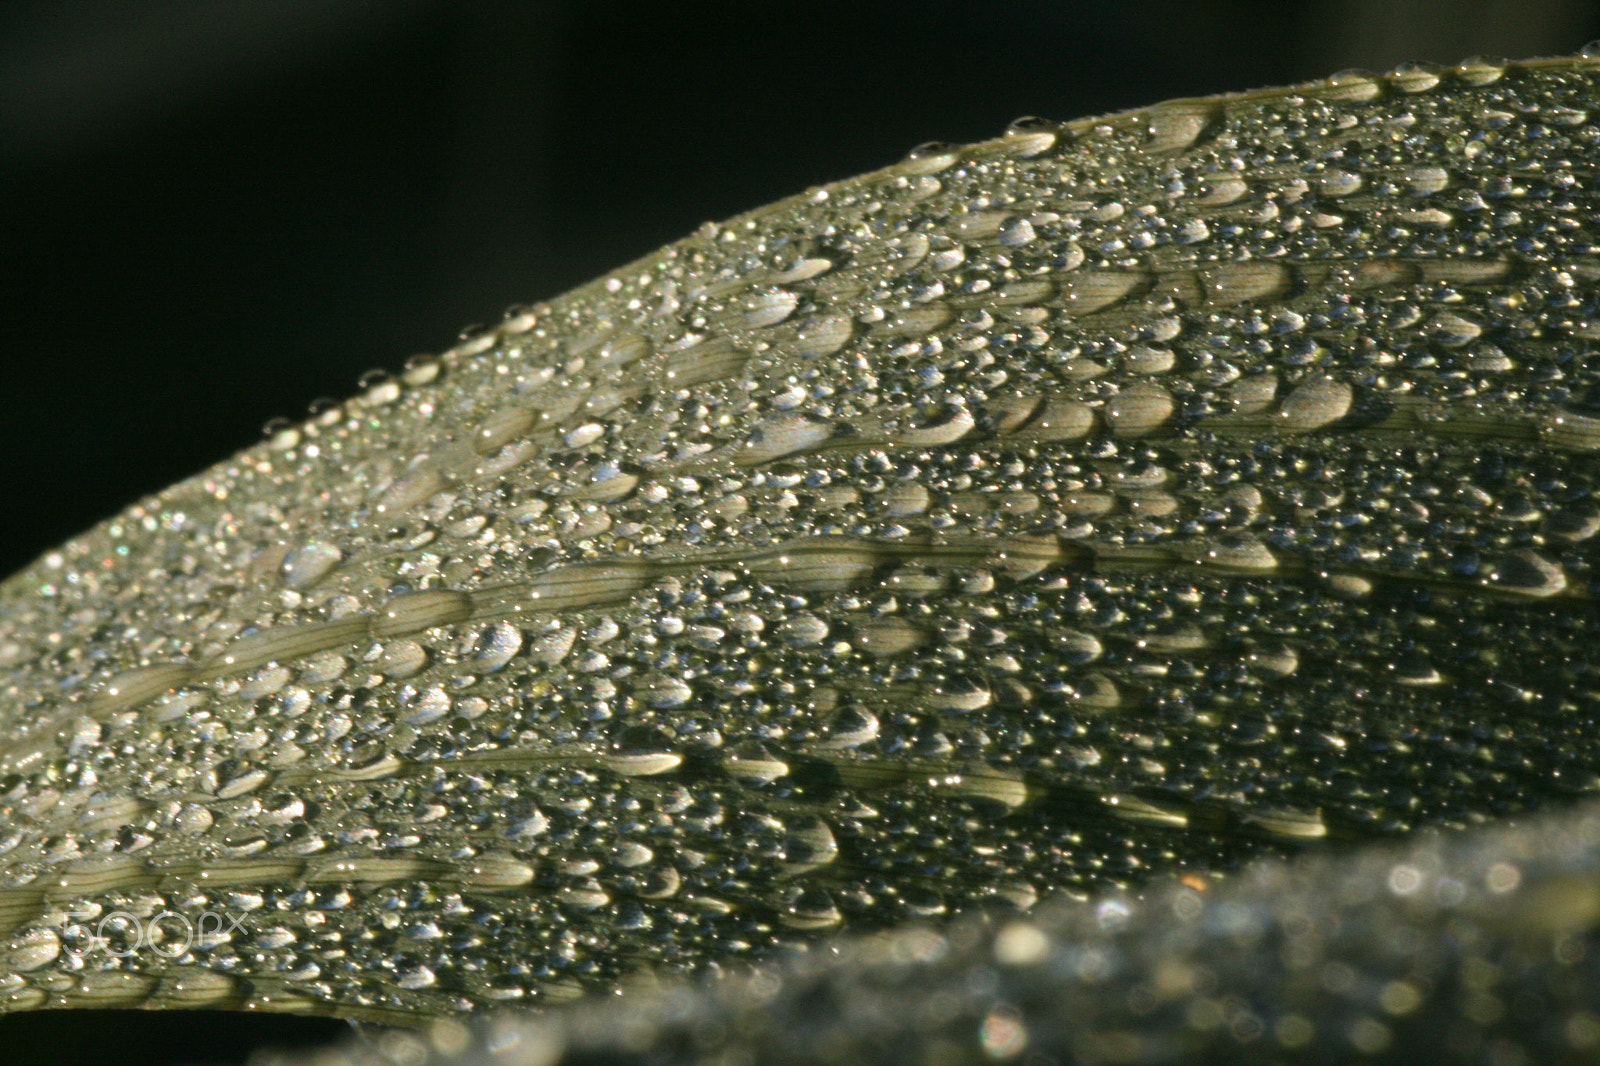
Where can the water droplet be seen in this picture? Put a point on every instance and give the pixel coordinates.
(810, 908)
(1139, 410)
(629, 854)
(1481, 70)
(1315, 404)
(644, 764)
(959, 696)
(530, 825)
(495, 647)
(802, 270)
(1241, 553)
(1354, 85)
(1450, 330)
(416, 979)
(752, 763)
(33, 950)
(891, 635)
(421, 369)
(823, 335)
(309, 564)
(1177, 124)
(402, 659)
(1574, 523)
(1337, 183)
(771, 309)
(1017, 234)
(1415, 77)
(802, 631)
(551, 648)
(281, 434)
(666, 693)
(851, 727)
(1142, 359)
(784, 435)
(242, 784)
(930, 157)
(1528, 573)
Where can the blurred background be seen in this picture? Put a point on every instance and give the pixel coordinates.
(215, 211)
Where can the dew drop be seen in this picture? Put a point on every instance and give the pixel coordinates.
(784, 435)
(883, 637)
(417, 979)
(1337, 183)
(1577, 522)
(432, 704)
(1241, 552)
(666, 693)
(1481, 70)
(1017, 234)
(1450, 330)
(1315, 404)
(421, 369)
(802, 270)
(584, 435)
(495, 647)
(822, 335)
(281, 434)
(771, 309)
(1143, 359)
(309, 564)
(1031, 124)
(1139, 410)
(1528, 573)
(402, 659)
(31, 951)
(503, 427)
(408, 491)
(1415, 77)
(243, 784)
(802, 631)
(851, 727)
(552, 648)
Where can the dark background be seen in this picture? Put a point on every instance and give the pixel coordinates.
(215, 211)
